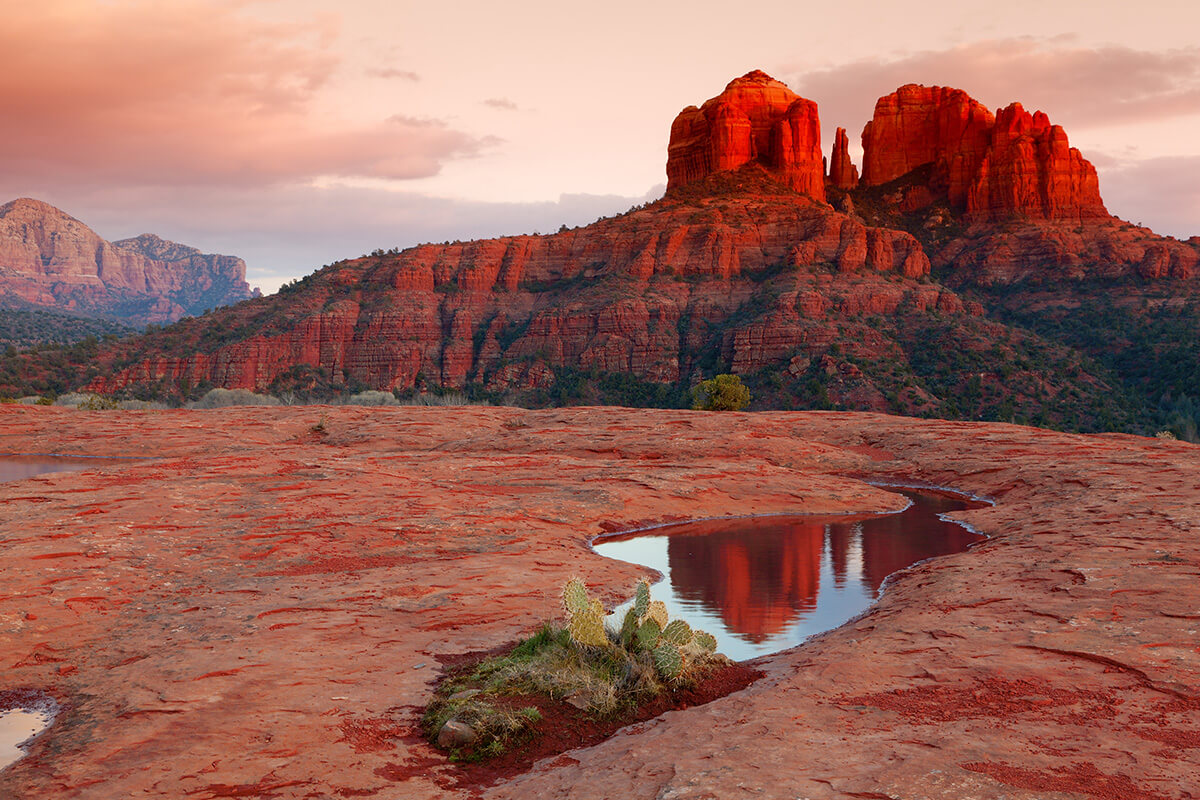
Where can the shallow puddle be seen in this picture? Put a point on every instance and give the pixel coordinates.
(763, 584)
(20, 467)
(20, 721)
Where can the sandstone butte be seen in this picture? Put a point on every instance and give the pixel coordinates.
(743, 262)
(992, 167)
(52, 260)
(756, 119)
(260, 610)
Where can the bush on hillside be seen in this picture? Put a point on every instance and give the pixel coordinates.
(722, 393)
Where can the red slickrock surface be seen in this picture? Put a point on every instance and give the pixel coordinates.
(842, 172)
(993, 168)
(50, 259)
(258, 611)
(614, 296)
(756, 118)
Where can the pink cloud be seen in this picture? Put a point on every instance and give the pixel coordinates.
(187, 92)
(389, 72)
(1160, 192)
(1077, 86)
(502, 103)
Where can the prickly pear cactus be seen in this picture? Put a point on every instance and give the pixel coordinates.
(587, 627)
(598, 607)
(658, 613)
(648, 633)
(705, 641)
(575, 596)
(629, 627)
(677, 632)
(668, 660)
(641, 598)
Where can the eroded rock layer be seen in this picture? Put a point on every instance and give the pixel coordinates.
(636, 294)
(50, 259)
(261, 609)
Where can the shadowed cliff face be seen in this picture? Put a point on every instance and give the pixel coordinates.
(49, 259)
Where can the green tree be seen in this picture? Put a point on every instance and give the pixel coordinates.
(722, 393)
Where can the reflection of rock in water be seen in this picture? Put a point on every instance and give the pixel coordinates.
(761, 575)
(893, 542)
(757, 576)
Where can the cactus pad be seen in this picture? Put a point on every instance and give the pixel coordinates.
(658, 613)
(641, 598)
(677, 632)
(648, 633)
(597, 606)
(668, 660)
(629, 627)
(588, 628)
(575, 596)
(705, 641)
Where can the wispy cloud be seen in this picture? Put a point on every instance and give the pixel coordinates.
(186, 93)
(389, 72)
(1078, 86)
(502, 103)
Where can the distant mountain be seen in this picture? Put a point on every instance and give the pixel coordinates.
(51, 260)
(916, 288)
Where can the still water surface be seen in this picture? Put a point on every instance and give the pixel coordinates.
(763, 584)
(17, 468)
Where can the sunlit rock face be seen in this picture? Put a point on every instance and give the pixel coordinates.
(992, 167)
(756, 119)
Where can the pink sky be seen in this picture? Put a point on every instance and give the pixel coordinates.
(297, 132)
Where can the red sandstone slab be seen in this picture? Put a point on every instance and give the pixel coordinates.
(257, 610)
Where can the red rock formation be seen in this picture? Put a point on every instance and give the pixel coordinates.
(1032, 171)
(918, 125)
(50, 259)
(756, 118)
(842, 172)
(734, 269)
(1052, 251)
(610, 297)
(992, 168)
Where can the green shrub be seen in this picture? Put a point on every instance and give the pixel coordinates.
(722, 393)
(98, 403)
(222, 398)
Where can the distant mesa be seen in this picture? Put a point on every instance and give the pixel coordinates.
(49, 259)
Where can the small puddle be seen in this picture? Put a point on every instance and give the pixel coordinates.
(23, 715)
(20, 467)
(764, 584)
